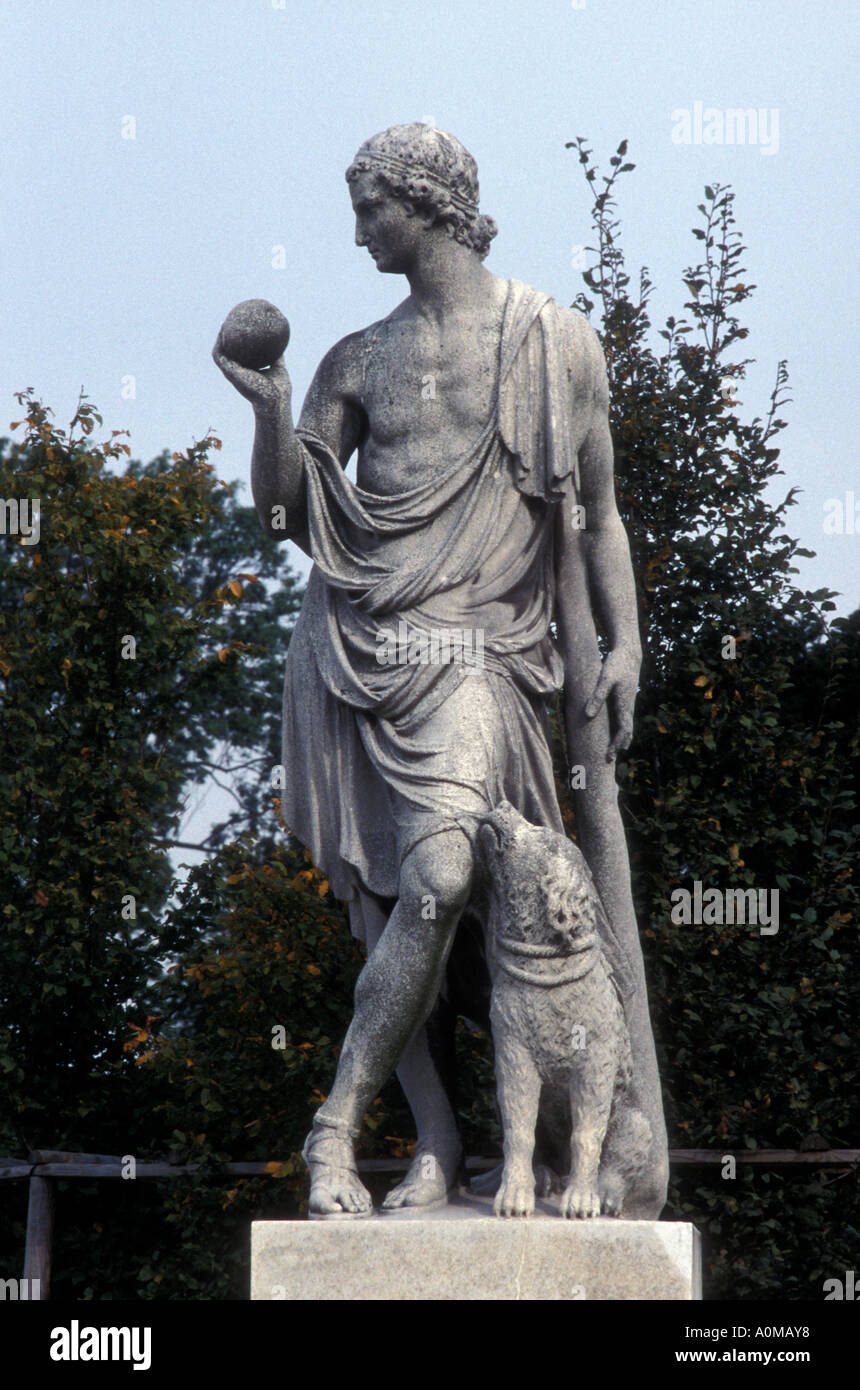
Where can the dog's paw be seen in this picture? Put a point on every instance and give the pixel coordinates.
(547, 1181)
(515, 1197)
(580, 1202)
(611, 1198)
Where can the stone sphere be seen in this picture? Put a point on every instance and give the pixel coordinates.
(254, 334)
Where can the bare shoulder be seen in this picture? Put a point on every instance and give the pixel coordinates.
(586, 363)
(333, 408)
(339, 374)
(582, 338)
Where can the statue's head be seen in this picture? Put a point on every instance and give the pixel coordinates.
(430, 175)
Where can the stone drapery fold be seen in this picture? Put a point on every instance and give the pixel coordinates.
(361, 740)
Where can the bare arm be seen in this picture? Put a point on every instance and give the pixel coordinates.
(331, 411)
(607, 551)
(595, 579)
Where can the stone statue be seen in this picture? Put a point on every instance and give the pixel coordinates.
(418, 674)
(561, 1041)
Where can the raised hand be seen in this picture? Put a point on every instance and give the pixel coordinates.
(266, 390)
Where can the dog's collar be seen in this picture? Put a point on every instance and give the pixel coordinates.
(583, 957)
(545, 950)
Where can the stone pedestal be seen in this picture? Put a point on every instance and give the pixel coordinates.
(462, 1251)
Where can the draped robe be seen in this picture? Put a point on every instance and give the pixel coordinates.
(379, 757)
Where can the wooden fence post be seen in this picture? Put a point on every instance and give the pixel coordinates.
(40, 1235)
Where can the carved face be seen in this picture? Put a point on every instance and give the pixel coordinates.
(539, 885)
(384, 225)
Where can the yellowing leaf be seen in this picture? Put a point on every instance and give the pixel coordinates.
(235, 587)
(700, 680)
(314, 969)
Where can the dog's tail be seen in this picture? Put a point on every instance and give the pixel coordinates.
(626, 1147)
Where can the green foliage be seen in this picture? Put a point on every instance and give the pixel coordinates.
(743, 770)
(775, 1234)
(245, 1046)
(100, 736)
(231, 732)
(85, 724)
(154, 1035)
(256, 1009)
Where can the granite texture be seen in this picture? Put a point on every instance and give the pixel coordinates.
(420, 672)
(452, 1255)
(562, 1046)
(254, 334)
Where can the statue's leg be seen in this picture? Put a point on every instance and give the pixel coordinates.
(438, 1151)
(518, 1088)
(602, 839)
(394, 995)
(591, 1089)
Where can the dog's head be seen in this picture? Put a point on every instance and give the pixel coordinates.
(539, 886)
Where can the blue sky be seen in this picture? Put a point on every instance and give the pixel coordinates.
(122, 256)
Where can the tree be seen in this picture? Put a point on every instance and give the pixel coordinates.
(124, 663)
(231, 735)
(739, 776)
(742, 774)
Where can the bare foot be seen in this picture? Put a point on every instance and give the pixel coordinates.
(336, 1188)
(431, 1176)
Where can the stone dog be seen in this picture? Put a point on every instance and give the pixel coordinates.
(561, 1041)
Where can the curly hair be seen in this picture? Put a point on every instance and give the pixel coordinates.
(433, 175)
